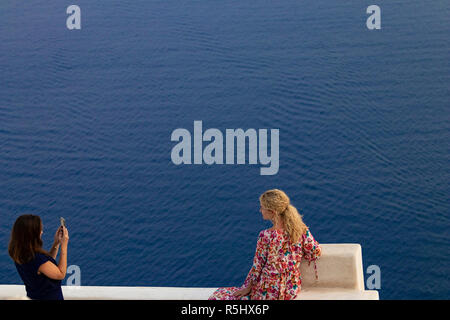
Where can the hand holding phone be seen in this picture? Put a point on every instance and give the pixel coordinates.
(63, 231)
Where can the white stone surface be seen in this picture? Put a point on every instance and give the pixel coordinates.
(340, 266)
(340, 272)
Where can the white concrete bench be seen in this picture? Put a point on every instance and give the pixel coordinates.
(340, 273)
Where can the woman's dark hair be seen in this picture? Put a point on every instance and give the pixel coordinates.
(26, 239)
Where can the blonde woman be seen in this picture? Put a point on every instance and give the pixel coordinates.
(275, 274)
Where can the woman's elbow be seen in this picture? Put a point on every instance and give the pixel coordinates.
(62, 275)
(57, 275)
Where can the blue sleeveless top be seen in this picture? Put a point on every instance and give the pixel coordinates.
(39, 286)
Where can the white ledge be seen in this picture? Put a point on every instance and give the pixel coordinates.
(339, 269)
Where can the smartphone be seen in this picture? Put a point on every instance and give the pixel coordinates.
(63, 222)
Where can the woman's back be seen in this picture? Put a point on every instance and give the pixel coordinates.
(283, 256)
(276, 267)
(39, 286)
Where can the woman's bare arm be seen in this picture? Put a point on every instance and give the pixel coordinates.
(50, 269)
(57, 240)
(54, 250)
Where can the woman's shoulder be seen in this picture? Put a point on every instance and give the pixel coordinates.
(264, 233)
(268, 233)
(306, 233)
(33, 264)
(40, 258)
(31, 259)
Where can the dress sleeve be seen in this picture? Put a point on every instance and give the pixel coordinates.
(262, 247)
(311, 248)
(39, 260)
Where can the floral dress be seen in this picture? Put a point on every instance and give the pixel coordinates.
(275, 272)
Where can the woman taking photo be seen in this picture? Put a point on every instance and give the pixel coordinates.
(275, 274)
(38, 269)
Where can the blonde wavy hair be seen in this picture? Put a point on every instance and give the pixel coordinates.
(279, 202)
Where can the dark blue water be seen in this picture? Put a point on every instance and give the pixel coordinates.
(86, 118)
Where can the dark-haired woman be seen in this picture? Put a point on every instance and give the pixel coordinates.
(38, 268)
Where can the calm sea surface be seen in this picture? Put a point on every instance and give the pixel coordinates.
(86, 118)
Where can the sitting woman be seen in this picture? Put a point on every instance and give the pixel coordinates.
(275, 274)
(37, 268)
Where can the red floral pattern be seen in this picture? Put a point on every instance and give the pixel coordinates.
(275, 272)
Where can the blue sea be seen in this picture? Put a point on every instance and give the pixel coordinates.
(86, 118)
